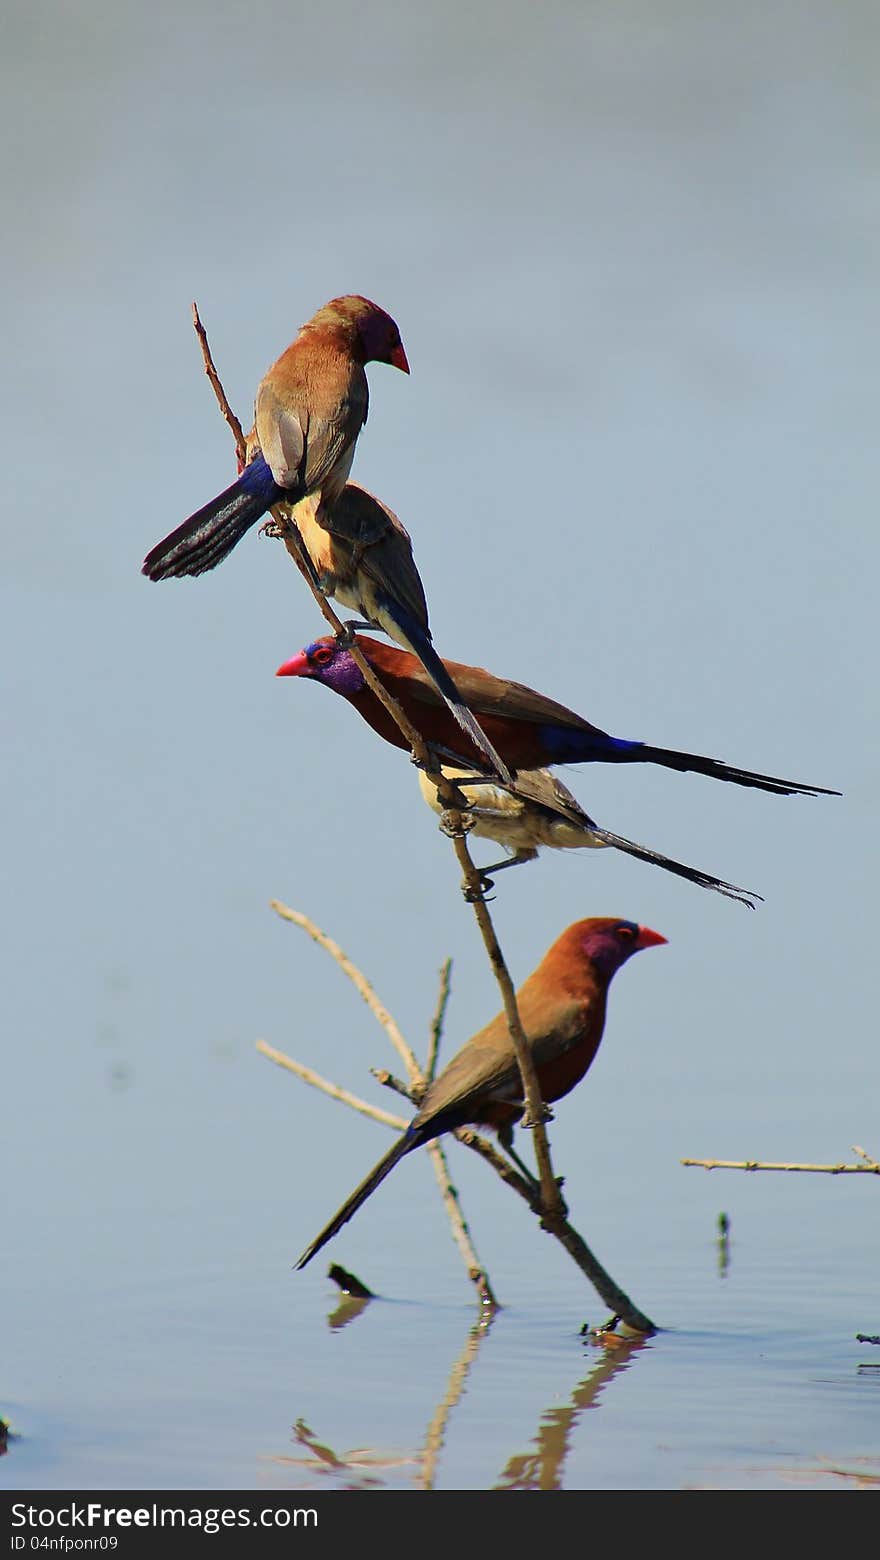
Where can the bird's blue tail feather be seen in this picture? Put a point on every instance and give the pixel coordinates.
(416, 640)
(206, 538)
(571, 745)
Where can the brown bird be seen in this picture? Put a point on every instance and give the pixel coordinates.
(529, 730)
(538, 810)
(310, 408)
(562, 1009)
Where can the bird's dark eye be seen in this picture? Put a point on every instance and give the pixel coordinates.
(322, 657)
(626, 931)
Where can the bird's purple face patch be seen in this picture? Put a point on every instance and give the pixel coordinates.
(380, 339)
(611, 943)
(326, 662)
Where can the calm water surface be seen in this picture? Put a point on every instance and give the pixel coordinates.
(244, 1375)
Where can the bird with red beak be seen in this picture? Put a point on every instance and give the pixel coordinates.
(309, 409)
(562, 1008)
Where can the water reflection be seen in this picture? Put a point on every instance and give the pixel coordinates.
(348, 1309)
(436, 1432)
(543, 1469)
(723, 1244)
(356, 1469)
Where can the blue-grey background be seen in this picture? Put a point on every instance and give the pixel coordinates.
(632, 251)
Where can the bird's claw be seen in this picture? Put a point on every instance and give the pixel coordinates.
(479, 893)
(530, 1123)
(454, 823)
(271, 528)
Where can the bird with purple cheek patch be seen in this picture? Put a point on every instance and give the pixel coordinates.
(310, 408)
(529, 730)
(562, 1008)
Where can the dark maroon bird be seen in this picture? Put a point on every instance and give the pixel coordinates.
(562, 1009)
(529, 730)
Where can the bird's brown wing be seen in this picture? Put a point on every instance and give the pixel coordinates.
(305, 444)
(543, 789)
(486, 694)
(280, 435)
(330, 452)
(487, 1065)
(382, 547)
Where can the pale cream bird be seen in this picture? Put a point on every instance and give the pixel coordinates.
(538, 811)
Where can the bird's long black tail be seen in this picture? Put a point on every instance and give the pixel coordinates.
(693, 874)
(413, 638)
(360, 1194)
(206, 537)
(641, 753)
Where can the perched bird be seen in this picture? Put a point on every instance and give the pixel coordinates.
(528, 730)
(367, 564)
(309, 410)
(562, 1008)
(539, 810)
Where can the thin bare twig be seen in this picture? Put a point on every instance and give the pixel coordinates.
(358, 979)
(308, 1075)
(460, 1233)
(211, 371)
(871, 1168)
(536, 1112)
(437, 1020)
(614, 1297)
(388, 1081)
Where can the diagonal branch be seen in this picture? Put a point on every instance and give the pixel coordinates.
(228, 414)
(308, 1075)
(536, 1112)
(614, 1297)
(359, 981)
(460, 1232)
(437, 1021)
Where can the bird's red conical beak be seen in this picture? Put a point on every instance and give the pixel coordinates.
(297, 666)
(649, 939)
(398, 359)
